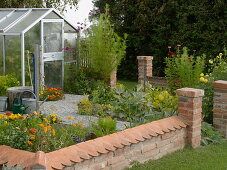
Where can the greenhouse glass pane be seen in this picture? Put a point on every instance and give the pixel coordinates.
(53, 73)
(1, 55)
(32, 37)
(52, 36)
(4, 13)
(13, 56)
(9, 20)
(52, 15)
(27, 21)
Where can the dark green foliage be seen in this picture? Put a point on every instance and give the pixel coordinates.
(152, 25)
(209, 135)
(80, 81)
(58, 4)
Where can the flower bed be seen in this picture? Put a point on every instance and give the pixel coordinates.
(118, 150)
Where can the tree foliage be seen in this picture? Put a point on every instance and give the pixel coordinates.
(103, 47)
(152, 25)
(57, 4)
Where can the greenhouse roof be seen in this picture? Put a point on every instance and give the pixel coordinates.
(16, 21)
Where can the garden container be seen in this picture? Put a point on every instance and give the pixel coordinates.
(3, 103)
(29, 103)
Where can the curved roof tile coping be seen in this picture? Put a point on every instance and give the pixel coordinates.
(77, 153)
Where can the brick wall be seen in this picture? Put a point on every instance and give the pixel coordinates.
(153, 148)
(144, 67)
(145, 72)
(113, 79)
(220, 106)
(119, 150)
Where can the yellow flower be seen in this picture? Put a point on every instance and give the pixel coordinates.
(42, 125)
(29, 143)
(5, 122)
(54, 119)
(53, 132)
(220, 54)
(70, 117)
(202, 79)
(80, 124)
(201, 75)
(205, 80)
(46, 120)
(32, 138)
(74, 124)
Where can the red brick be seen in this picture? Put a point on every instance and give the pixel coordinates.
(162, 143)
(147, 148)
(220, 84)
(216, 115)
(115, 160)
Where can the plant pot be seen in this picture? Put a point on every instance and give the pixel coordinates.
(3, 103)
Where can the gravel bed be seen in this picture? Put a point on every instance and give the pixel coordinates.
(69, 107)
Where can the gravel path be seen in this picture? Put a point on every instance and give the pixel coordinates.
(69, 107)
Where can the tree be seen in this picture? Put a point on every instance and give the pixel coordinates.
(152, 25)
(57, 4)
(102, 47)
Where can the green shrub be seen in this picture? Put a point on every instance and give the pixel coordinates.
(217, 71)
(6, 82)
(102, 47)
(183, 70)
(105, 126)
(81, 81)
(209, 134)
(136, 106)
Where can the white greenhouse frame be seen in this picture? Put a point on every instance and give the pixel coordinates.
(6, 15)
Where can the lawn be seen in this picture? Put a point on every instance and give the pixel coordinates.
(128, 84)
(213, 157)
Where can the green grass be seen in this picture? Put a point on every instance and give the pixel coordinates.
(212, 157)
(128, 84)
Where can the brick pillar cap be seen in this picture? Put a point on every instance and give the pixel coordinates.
(144, 57)
(220, 84)
(190, 92)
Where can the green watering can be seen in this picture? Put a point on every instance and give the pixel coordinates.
(18, 107)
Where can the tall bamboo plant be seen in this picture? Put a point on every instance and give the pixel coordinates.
(103, 47)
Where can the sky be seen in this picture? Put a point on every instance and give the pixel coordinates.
(84, 7)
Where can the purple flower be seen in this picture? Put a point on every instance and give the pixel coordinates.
(78, 22)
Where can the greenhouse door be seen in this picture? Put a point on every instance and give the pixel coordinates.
(52, 42)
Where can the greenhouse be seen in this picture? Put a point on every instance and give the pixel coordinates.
(20, 30)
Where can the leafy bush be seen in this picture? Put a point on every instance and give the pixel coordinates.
(102, 47)
(6, 82)
(217, 71)
(82, 81)
(210, 135)
(133, 106)
(105, 126)
(51, 94)
(183, 70)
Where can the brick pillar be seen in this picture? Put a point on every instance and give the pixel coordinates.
(144, 67)
(113, 79)
(189, 109)
(220, 106)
